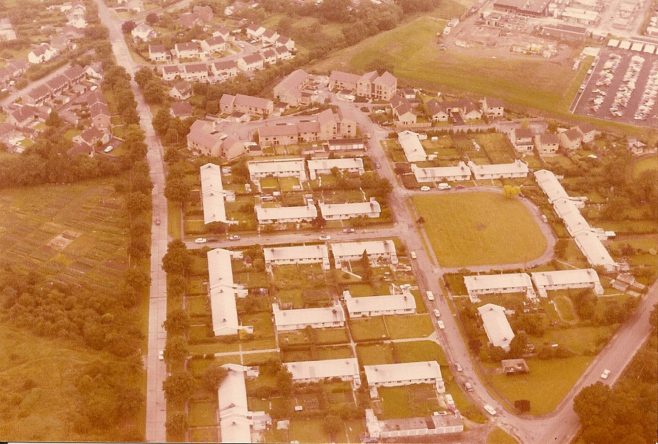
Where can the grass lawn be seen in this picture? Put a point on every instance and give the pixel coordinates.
(375, 354)
(368, 329)
(174, 222)
(500, 436)
(408, 401)
(202, 413)
(409, 326)
(419, 351)
(645, 164)
(565, 308)
(479, 229)
(546, 384)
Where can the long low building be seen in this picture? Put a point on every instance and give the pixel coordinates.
(212, 194)
(550, 186)
(223, 292)
(497, 284)
(393, 304)
(376, 250)
(408, 373)
(565, 279)
(259, 169)
(297, 254)
(346, 369)
(299, 319)
(594, 251)
(515, 170)
(438, 174)
(412, 427)
(297, 214)
(370, 209)
(325, 166)
(496, 326)
(412, 147)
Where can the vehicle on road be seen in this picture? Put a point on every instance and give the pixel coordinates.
(324, 237)
(234, 237)
(468, 387)
(437, 313)
(157, 221)
(490, 410)
(458, 367)
(378, 165)
(161, 355)
(200, 240)
(424, 188)
(460, 187)
(443, 186)
(430, 295)
(441, 325)
(108, 149)
(349, 230)
(413, 254)
(605, 374)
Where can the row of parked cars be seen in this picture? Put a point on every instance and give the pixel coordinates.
(648, 101)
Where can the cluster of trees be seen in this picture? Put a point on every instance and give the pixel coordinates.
(152, 86)
(625, 413)
(585, 304)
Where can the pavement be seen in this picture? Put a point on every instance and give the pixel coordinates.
(156, 370)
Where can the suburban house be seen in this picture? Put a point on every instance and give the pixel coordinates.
(339, 80)
(181, 90)
(286, 215)
(158, 53)
(523, 140)
(297, 254)
(318, 167)
(407, 373)
(197, 72)
(214, 44)
(171, 72)
(254, 106)
(463, 110)
(24, 116)
(412, 147)
(38, 95)
(100, 116)
(143, 33)
(204, 139)
(188, 50)
(283, 53)
(269, 56)
(498, 284)
(223, 70)
(346, 369)
(565, 279)
(255, 31)
(403, 110)
(251, 62)
(41, 53)
(285, 42)
(433, 425)
(436, 111)
(325, 125)
(290, 89)
(212, 194)
(299, 319)
(496, 326)
(589, 132)
(294, 167)
(223, 291)
(269, 37)
(366, 306)
(377, 251)
(181, 110)
(571, 139)
(377, 87)
(440, 174)
(493, 107)
(547, 143)
(517, 169)
(344, 211)
(92, 136)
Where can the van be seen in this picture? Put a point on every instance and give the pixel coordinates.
(413, 254)
(430, 295)
(490, 410)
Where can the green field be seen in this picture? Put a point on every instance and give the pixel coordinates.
(645, 164)
(479, 229)
(500, 436)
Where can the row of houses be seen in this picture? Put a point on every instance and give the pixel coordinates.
(588, 239)
(370, 85)
(297, 167)
(407, 109)
(544, 281)
(525, 140)
(309, 212)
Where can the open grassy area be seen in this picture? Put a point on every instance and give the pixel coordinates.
(479, 229)
(408, 401)
(411, 326)
(500, 436)
(645, 164)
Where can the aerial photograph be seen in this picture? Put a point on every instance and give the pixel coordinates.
(329, 221)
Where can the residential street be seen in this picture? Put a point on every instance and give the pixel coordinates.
(11, 98)
(156, 370)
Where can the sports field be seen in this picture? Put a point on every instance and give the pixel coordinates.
(479, 228)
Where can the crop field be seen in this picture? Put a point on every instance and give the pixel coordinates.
(479, 229)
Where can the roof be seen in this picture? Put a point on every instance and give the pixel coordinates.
(293, 81)
(398, 373)
(549, 139)
(57, 82)
(201, 133)
(380, 303)
(496, 326)
(440, 172)
(74, 72)
(523, 133)
(39, 92)
(386, 79)
(341, 163)
(413, 149)
(195, 67)
(188, 46)
(550, 185)
(494, 102)
(179, 109)
(594, 250)
(573, 134)
(571, 216)
(278, 130)
(376, 247)
(212, 194)
(252, 58)
(275, 166)
(308, 316)
(486, 282)
(516, 167)
(344, 77)
(252, 101)
(157, 49)
(565, 277)
(222, 289)
(233, 408)
(222, 65)
(283, 213)
(99, 109)
(182, 86)
(328, 368)
(273, 254)
(351, 208)
(435, 107)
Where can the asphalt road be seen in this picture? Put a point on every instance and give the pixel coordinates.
(156, 370)
(11, 98)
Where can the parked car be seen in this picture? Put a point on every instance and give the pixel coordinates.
(234, 237)
(468, 387)
(349, 230)
(437, 313)
(441, 325)
(490, 410)
(605, 374)
(157, 221)
(161, 355)
(200, 240)
(444, 186)
(108, 149)
(458, 367)
(424, 188)
(324, 237)
(430, 295)
(413, 254)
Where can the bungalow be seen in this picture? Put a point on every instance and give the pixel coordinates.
(181, 90)
(41, 54)
(251, 62)
(299, 319)
(465, 109)
(254, 106)
(325, 166)
(197, 72)
(223, 291)
(24, 116)
(346, 369)
(589, 132)
(223, 70)
(401, 374)
(394, 304)
(285, 42)
(547, 143)
(283, 53)
(100, 116)
(496, 326)
(181, 110)
(285, 215)
(493, 107)
(294, 167)
(289, 90)
(517, 169)
(255, 31)
(143, 33)
(297, 254)
(212, 194)
(223, 33)
(158, 53)
(57, 85)
(377, 251)
(413, 149)
(497, 284)
(440, 174)
(188, 50)
(74, 74)
(565, 279)
(214, 44)
(370, 209)
(403, 111)
(394, 429)
(171, 72)
(436, 111)
(92, 136)
(522, 139)
(571, 139)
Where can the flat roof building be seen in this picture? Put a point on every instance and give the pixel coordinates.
(516, 169)
(212, 194)
(346, 369)
(343, 211)
(223, 292)
(324, 166)
(498, 283)
(438, 174)
(299, 319)
(376, 251)
(408, 373)
(277, 168)
(412, 427)
(496, 326)
(297, 214)
(594, 251)
(564, 279)
(393, 304)
(413, 149)
(297, 254)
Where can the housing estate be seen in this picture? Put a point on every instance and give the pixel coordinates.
(393, 304)
(496, 326)
(282, 215)
(297, 254)
(498, 283)
(565, 279)
(408, 373)
(325, 125)
(412, 147)
(204, 138)
(343, 211)
(412, 427)
(223, 292)
(377, 251)
(299, 319)
(254, 106)
(318, 167)
(213, 195)
(346, 369)
(516, 169)
(290, 90)
(259, 169)
(438, 174)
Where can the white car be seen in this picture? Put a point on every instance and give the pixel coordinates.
(200, 240)
(490, 410)
(161, 355)
(424, 188)
(441, 325)
(109, 149)
(437, 313)
(605, 374)
(458, 367)
(324, 237)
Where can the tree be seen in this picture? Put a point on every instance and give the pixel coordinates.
(177, 260)
(511, 191)
(53, 119)
(177, 189)
(332, 424)
(152, 18)
(518, 344)
(138, 279)
(217, 227)
(178, 322)
(179, 387)
(212, 377)
(128, 26)
(177, 426)
(367, 269)
(284, 381)
(138, 202)
(176, 349)
(522, 405)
